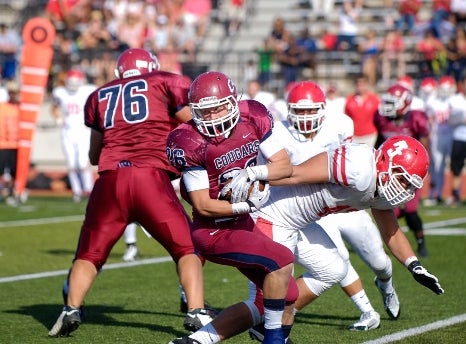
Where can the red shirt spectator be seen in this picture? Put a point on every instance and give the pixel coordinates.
(362, 106)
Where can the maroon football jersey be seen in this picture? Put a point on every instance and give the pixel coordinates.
(188, 149)
(414, 124)
(135, 116)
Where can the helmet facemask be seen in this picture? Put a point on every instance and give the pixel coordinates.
(306, 122)
(397, 186)
(217, 127)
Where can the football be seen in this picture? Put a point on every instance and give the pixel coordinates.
(227, 196)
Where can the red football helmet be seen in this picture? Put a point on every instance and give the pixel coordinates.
(402, 163)
(135, 61)
(427, 87)
(306, 107)
(211, 90)
(74, 79)
(407, 82)
(396, 101)
(446, 86)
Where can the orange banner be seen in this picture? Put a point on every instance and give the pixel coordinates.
(36, 58)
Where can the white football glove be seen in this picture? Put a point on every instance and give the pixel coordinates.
(258, 198)
(424, 277)
(239, 185)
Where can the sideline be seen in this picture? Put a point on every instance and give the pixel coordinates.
(418, 330)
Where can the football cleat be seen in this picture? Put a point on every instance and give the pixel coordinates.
(198, 318)
(184, 340)
(131, 253)
(68, 321)
(390, 302)
(368, 321)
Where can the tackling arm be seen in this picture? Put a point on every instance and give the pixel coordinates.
(399, 245)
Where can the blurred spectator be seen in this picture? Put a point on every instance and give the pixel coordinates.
(438, 108)
(132, 30)
(278, 37)
(393, 50)
(458, 153)
(369, 48)
(9, 115)
(362, 106)
(291, 60)
(461, 45)
(322, 8)
(433, 56)
(234, 13)
(446, 28)
(408, 11)
(185, 39)
(458, 8)
(265, 58)
(335, 102)
(440, 11)
(250, 71)
(256, 92)
(60, 13)
(197, 13)
(328, 40)
(348, 19)
(10, 44)
(454, 67)
(309, 50)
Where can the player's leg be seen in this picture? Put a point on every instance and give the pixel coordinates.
(361, 233)
(129, 237)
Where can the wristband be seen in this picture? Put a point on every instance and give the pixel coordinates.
(260, 172)
(240, 208)
(410, 260)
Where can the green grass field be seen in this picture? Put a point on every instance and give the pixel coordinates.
(140, 304)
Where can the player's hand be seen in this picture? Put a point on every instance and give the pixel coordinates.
(424, 277)
(258, 198)
(239, 186)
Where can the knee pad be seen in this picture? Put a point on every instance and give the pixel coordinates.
(351, 276)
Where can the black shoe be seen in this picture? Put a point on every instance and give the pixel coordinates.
(68, 321)
(184, 340)
(422, 250)
(198, 318)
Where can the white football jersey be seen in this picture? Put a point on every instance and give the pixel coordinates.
(72, 105)
(352, 187)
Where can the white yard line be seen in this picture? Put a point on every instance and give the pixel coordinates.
(418, 330)
(65, 272)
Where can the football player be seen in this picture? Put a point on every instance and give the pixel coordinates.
(309, 127)
(223, 140)
(347, 178)
(130, 119)
(395, 117)
(67, 109)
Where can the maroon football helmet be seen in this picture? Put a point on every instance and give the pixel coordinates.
(396, 102)
(402, 163)
(212, 90)
(136, 61)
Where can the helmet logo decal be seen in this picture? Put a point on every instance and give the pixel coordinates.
(399, 147)
(231, 86)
